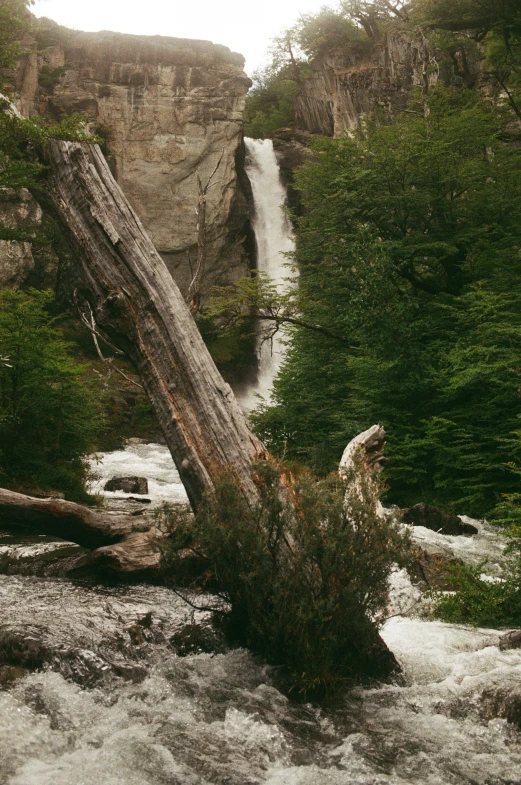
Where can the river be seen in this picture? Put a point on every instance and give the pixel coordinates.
(113, 694)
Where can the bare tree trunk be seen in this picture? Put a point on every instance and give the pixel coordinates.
(195, 286)
(202, 193)
(137, 303)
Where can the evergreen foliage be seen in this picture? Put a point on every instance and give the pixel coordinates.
(270, 103)
(304, 583)
(14, 21)
(48, 408)
(409, 258)
(481, 601)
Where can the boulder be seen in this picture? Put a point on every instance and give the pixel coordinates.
(16, 262)
(502, 702)
(437, 520)
(511, 640)
(128, 485)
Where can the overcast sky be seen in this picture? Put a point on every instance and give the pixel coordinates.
(243, 25)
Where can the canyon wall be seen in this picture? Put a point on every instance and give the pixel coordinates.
(168, 109)
(346, 84)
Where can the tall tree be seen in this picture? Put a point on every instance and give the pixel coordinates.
(409, 256)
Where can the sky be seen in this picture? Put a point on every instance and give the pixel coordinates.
(244, 26)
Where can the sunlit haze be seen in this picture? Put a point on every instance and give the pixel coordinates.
(244, 26)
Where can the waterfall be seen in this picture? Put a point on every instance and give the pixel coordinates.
(274, 239)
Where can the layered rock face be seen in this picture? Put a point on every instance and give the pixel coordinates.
(347, 85)
(18, 211)
(169, 110)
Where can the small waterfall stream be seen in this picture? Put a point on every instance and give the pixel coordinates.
(274, 239)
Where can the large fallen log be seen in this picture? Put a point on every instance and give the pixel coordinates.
(65, 520)
(138, 305)
(118, 542)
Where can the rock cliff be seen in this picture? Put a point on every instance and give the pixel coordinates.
(345, 85)
(168, 110)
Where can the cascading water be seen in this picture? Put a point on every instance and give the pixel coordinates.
(105, 697)
(274, 240)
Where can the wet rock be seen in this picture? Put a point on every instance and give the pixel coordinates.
(128, 485)
(9, 674)
(437, 520)
(38, 556)
(85, 633)
(432, 571)
(197, 639)
(504, 703)
(512, 640)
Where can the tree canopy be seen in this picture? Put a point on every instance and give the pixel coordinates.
(14, 21)
(408, 251)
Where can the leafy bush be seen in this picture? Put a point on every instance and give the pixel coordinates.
(48, 409)
(482, 602)
(304, 582)
(270, 103)
(14, 21)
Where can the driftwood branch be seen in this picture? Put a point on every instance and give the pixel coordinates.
(116, 541)
(90, 324)
(362, 461)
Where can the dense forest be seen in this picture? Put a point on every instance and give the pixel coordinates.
(408, 240)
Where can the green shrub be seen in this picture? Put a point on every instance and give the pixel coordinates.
(481, 602)
(304, 582)
(48, 409)
(14, 22)
(49, 78)
(270, 103)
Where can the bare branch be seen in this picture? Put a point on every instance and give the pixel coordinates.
(197, 277)
(90, 324)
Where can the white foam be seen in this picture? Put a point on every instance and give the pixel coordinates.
(152, 461)
(274, 240)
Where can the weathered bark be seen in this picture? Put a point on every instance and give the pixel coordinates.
(114, 538)
(137, 303)
(367, 447)
(63, 519)
(363, 457)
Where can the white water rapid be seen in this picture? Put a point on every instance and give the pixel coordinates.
(111, 695)
(274, 239)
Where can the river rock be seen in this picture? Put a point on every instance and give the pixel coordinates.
(502, 702)
(511, 640)
(128, 485)
(437, 520)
